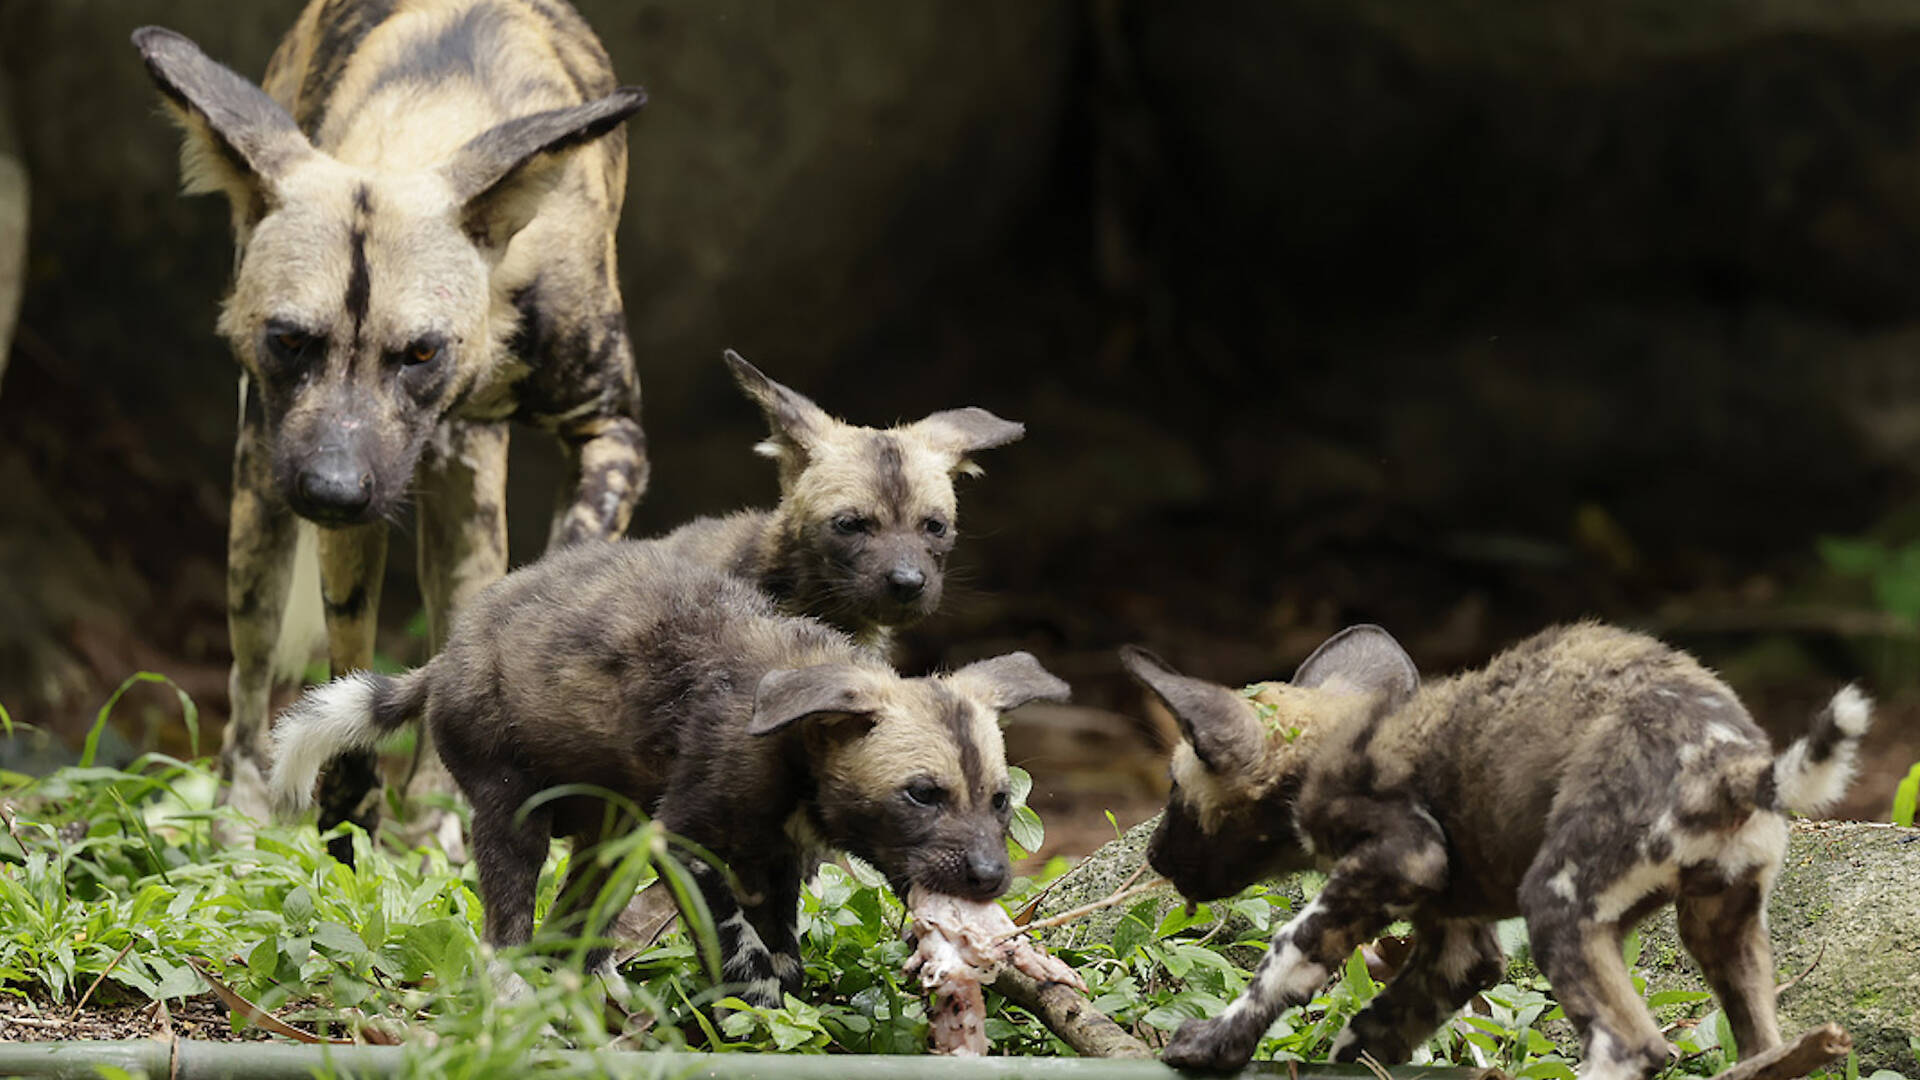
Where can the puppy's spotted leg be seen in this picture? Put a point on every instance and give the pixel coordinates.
(746, 964)
(774, 918)
(1382, 876)
(353, 561)
(1726, 932)
(1452, 961)
(1577, 936)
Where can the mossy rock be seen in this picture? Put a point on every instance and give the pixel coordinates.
(1849, 897)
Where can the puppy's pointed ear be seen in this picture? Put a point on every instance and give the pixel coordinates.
(1008, 682)
(786, 696)
(1361, 659)
(503, 175)
(796, 423)
(237, 141)
(964, 432)
(1220, 725)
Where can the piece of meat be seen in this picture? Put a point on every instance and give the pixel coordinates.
(962, 944)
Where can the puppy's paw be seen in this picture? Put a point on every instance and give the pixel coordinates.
(1216, 1045)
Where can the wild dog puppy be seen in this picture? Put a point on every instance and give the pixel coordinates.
(424, 199)
(866, 516)
(761, 736)
(1582, 779)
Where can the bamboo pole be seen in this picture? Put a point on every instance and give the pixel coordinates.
(186, 1060)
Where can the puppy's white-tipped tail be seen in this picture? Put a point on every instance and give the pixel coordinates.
(1817, 769)
(352, 712)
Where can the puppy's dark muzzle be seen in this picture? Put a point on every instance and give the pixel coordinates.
(334, 487)
(986, 876)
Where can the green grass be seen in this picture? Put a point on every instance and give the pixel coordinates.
(112, 876)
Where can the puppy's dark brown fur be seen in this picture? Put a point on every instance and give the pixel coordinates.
(758, 735)
(1583, 778)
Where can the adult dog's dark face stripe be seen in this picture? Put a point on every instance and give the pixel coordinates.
(359, 282)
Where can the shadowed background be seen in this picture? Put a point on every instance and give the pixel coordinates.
(1458, 317)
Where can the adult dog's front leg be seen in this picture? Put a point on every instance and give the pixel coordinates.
(462, 519)
(262, 536)
(1383, 876)
(608, 455)
(352, 563)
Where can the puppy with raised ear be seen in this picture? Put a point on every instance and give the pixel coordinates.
(762, 736)
(866, 517)
(1582, 779)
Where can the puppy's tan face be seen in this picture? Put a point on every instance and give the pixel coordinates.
(911, 773)
(875, 514)
(923, 794)
(867, 516)
(362, 311)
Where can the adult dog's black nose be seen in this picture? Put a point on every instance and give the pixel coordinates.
(333, 488)
(906, 582)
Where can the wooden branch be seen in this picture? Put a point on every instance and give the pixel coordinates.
(1819, 1047)
(1069, 1015)
(1065, 917)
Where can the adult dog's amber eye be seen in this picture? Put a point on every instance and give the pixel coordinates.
(292, 341)
(422, 352)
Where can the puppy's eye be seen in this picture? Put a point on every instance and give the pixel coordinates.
(935, 527)
(924, 792)
(421, 352)
(1001, 802)
(850, 524)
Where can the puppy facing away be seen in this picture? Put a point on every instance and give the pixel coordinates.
(762, 736)
(866, 516)
(1582, 779)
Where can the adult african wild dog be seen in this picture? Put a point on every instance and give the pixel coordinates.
(762, 736)
(424, 199)
(1583, 778)
(866, 517)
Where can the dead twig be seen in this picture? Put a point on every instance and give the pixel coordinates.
(1795, 981)
(117, 957)
(254, 1013)
(1068, 1014)
(1119, 897)
(1822, 1046)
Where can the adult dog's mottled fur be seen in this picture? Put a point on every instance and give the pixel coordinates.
(1583, 778)
(424, 201)
(761, 736)
(866, 515)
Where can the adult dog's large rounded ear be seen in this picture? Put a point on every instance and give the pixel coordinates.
(1220, 725)
(964, 432)
(1361, 659)
(1008, 682)
(501, 176)
(238, 141)
(787, 696)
